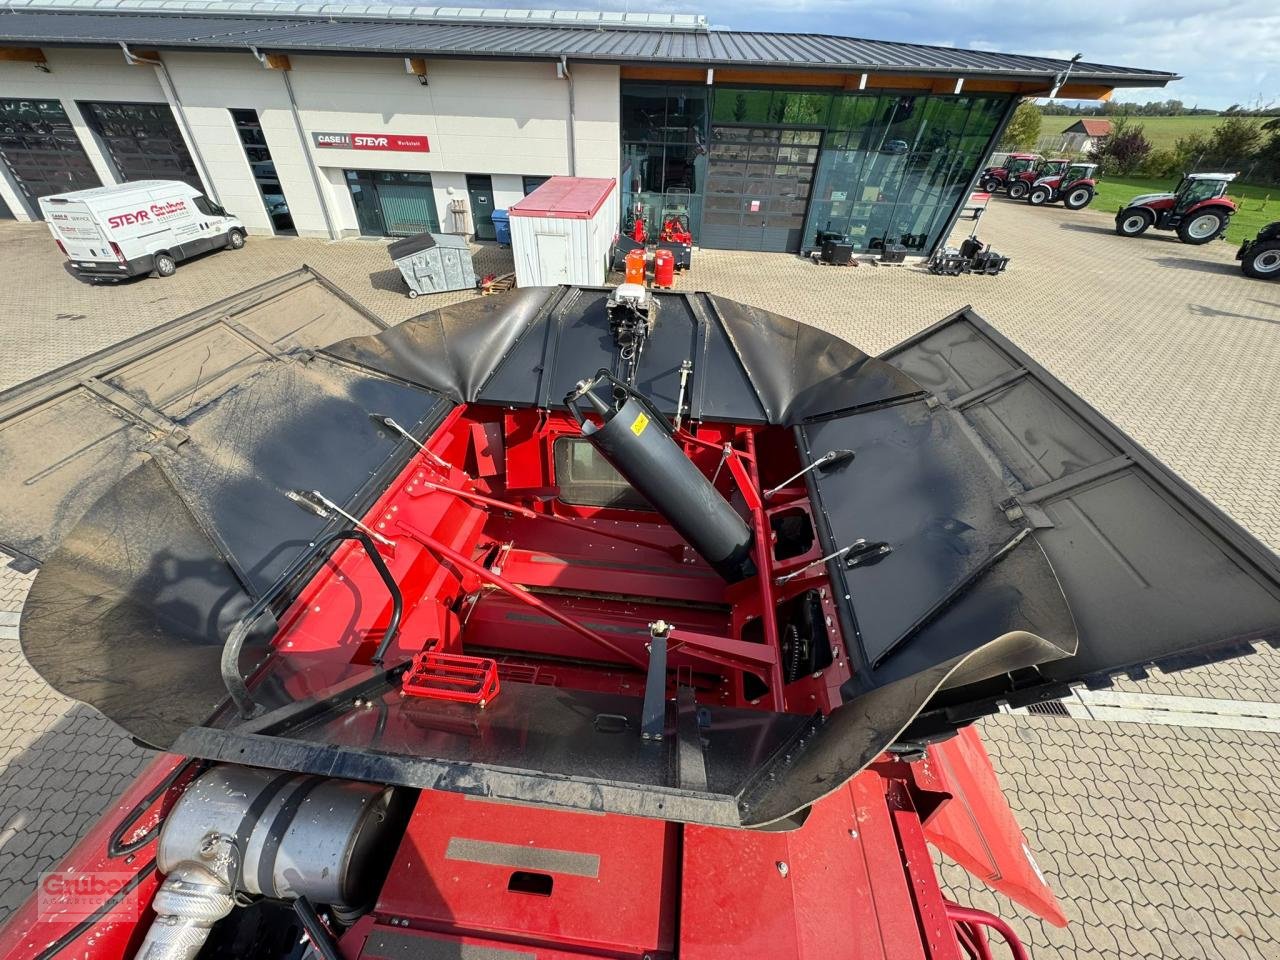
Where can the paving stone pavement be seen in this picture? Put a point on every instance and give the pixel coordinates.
(1160, 840)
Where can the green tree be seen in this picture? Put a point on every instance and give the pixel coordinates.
(1235, 140)
(1024, 129)
(1123, 150)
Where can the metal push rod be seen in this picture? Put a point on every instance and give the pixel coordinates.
(514, 591)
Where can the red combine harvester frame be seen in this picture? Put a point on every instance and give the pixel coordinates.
(459, 655)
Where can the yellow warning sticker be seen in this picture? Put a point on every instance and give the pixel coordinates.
(639, 423)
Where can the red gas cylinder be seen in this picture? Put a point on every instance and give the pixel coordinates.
(664, 269)
(635, 267)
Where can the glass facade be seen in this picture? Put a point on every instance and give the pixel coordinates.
(41, 149)
(664, 150)
(769, 168)
(143, 141)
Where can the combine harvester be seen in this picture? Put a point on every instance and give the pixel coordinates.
(578, 623)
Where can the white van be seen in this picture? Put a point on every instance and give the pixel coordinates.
(147, 226)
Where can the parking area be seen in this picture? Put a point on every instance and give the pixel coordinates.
(1159, 836)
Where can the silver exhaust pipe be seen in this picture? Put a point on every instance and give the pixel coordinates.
(241, 831)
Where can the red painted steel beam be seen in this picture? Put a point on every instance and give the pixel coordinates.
(512, 590)
(764, 571)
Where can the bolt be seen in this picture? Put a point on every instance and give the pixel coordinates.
(783, 868)
(853, 834)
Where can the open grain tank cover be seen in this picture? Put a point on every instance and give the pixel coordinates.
(1034, 546)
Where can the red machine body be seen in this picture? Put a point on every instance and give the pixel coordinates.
(855, 880)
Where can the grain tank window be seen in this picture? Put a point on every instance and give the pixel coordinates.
(585, 478)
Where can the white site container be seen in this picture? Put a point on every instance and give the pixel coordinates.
(563, 231)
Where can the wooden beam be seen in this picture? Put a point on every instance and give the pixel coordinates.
(136, 58)
(1085, 91)
(416, 65)
(22, 55)
(693, 75)
(277, 61)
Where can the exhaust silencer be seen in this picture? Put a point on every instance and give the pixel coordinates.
(240, 830)
(637, 440)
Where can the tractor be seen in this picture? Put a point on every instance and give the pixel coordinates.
(1199, 210)
(1260, 257)
(993, 179)
(1074, 186)
(1020, 185)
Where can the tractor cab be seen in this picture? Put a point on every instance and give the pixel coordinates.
(1198, 187)
(1198, 209)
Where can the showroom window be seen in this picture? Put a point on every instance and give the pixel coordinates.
(664, 151)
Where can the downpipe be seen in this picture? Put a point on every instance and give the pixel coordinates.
(562, 70)
(239, 833)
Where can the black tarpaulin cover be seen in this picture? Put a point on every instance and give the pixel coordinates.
(1034, 545)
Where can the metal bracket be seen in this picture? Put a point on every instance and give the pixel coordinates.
(653, 716)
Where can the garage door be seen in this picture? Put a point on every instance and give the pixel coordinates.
(758, 183)
(143, 141)
(41, 150)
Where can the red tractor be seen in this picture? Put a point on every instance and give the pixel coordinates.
(1199, 210)
(1074, 186)
(1020, 185)
(993, 179)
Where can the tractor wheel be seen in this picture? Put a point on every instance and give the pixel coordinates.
(1202, 227)
(1133, 223)
(1078, 199)
(991, 186)
(1038, 197)
(1262, 262)
(1018, 189)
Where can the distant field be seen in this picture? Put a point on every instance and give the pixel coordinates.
(1258, 205)
(1163, 132)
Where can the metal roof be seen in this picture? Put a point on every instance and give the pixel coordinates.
(157, 25)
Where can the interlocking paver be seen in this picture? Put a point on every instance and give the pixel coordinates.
(1160, 840)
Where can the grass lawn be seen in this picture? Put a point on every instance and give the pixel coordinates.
(1255, 212)
(1163, 132)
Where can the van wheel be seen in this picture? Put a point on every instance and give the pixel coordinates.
(235, 240)
(165, 265)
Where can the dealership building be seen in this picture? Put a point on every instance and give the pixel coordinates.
(345, 119)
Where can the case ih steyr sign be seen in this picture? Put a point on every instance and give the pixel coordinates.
(397, 142)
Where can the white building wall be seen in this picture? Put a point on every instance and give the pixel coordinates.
(210, 85)
(500, 118)
(78, 75)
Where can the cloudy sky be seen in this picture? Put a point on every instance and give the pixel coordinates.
(1228, 51)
